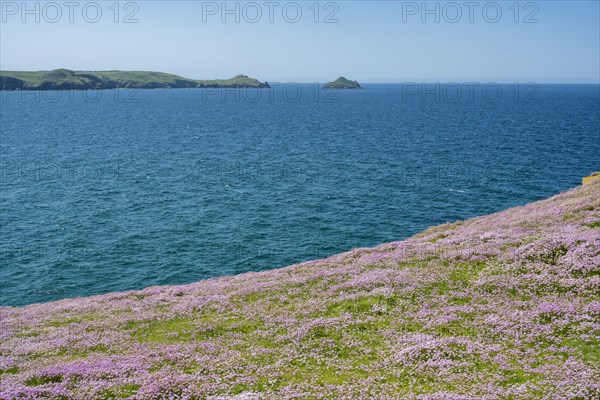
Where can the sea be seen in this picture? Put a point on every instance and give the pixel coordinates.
(115, 190)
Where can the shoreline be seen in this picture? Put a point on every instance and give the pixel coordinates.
(486, 294)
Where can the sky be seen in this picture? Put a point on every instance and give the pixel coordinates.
(308, 41)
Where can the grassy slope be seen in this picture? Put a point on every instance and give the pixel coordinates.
(122, 78)
(504, 306)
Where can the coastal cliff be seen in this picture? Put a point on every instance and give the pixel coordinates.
(498, 306)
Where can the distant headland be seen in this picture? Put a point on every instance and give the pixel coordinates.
(65, 79)
(342, 83)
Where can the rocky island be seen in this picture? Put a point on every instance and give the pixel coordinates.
(503, 306)
(342, 83)
(65, 79)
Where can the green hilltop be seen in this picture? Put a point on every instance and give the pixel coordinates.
(65, 79)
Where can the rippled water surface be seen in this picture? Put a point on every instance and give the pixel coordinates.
(119, 190)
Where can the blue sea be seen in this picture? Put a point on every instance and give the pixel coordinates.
(123, 189)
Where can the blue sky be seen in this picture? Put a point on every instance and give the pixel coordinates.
(372, 41)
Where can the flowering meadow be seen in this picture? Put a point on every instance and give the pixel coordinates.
(505, 306)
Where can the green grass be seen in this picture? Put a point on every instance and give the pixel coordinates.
(120, 393)
(11, 370)
(359, 306)
(184, 329)
(43, 379)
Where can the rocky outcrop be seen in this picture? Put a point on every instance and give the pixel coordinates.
(593, 178)
(342, 83)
